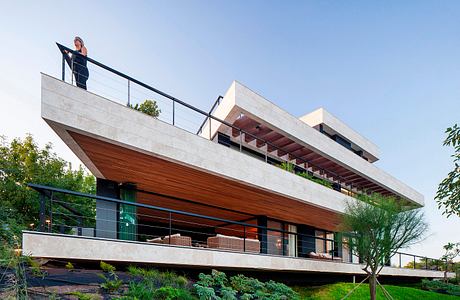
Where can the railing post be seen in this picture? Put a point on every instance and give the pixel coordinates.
(63, 66)
(42, 213)
(426, 263)
(50, 211)
(174, 114)
(170, 227)
(129, 93)
(241, 141)
(414, 261)
(71, 75)
(244, 239)
(266, 152)
(79, 227)
(210, 124)
(399, 260)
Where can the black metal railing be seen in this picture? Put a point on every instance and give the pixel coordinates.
(156, 224)
(176, 105)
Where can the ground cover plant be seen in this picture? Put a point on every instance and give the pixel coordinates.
(218, 286)
(153, 284)
(338, 290)
(441, 287)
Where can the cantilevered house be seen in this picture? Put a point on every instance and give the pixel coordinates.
(252, 187)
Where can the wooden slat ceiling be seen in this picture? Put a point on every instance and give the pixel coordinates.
(285, 145)
(154, 174)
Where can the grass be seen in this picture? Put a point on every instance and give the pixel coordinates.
(339, 290)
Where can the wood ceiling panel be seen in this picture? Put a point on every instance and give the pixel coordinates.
(164, 177)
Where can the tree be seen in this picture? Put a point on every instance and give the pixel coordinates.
(452, 250)
(149, 107)
(448, 194)
(380, 226)
(22, 162)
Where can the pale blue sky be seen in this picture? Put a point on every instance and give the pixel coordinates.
(389, 69)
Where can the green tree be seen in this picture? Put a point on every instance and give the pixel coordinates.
(149, 107)
(22, 162)
(448, 194)
(380, 226)
(452, 250)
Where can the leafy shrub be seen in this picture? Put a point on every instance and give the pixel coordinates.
(217, 286)
(69, 266)
(111, 282)
(148, 107)
(170, 293)
(277, 289)
(204, 292)
(82, 296)
(440, 287)
(287, 166)
(154, 284)
(245, 284)
(157, 279)
(315, 179)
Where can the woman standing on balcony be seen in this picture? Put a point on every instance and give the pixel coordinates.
(80, 70)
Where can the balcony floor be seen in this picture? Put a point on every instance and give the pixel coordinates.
(57, 246)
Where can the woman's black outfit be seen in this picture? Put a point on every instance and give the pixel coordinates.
(80, 70)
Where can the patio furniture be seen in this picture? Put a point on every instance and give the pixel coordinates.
(157, 240)
(177, 239)
(221, 241)
(324, 256)
(174, 239)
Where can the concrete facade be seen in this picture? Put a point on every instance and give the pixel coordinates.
(65, 107)
(322, 116)
(84, 248)
(241, 100)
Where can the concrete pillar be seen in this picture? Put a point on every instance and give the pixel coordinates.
(106, 212)
(262, 233)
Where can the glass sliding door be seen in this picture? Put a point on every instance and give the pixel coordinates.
(274, 238)
(292, 240)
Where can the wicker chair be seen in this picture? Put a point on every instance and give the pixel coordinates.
(174, 239)
(233, 243)
(177, 239)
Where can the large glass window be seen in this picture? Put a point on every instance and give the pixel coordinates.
(324, 242)
(274, 238)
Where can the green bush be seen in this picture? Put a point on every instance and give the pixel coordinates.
(321, 181)
(170, 293)
(111, 282)
(287, 166)
(153, 284)
(217, 286)
(440, 287)
(149, 107)
(157, 279)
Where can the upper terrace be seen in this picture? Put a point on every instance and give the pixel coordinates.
(253, 126)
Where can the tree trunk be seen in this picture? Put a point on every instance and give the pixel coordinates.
(372, 286)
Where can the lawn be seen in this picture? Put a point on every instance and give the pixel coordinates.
(339, 290)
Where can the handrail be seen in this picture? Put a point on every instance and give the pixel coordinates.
(63, 50)
(48, 191)
(42, 188)
(216, 103)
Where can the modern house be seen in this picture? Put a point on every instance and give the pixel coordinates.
(252, 188)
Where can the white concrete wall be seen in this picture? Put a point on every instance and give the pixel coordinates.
(73, 247)
(322, 116)
(67, 107)
(264, 111)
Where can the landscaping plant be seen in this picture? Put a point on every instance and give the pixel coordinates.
(448, 194)
(216, 286)
(380, 226)
(149, 107)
